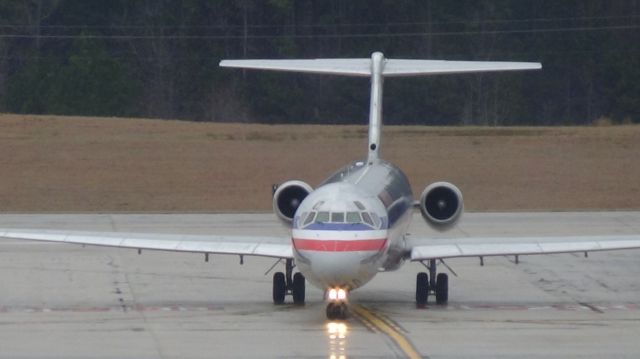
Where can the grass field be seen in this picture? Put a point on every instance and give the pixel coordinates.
(63, 164)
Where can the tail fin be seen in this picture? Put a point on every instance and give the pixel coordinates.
(377, 67)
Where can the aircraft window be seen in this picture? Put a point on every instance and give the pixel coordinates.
(367, 219)
(337, 217)
(376, 219)
(322, 217)
(309, 218)
(359, 205)
(299, 219)
(353, 217)
(318, 204)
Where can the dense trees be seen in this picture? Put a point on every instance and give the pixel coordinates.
(159, 59)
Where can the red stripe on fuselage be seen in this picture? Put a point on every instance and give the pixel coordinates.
(328, 245)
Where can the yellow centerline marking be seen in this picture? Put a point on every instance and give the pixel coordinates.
(391, 331)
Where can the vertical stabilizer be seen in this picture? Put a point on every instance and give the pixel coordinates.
(375, 107)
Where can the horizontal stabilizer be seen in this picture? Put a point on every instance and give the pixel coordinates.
(392, 67)
(352, 67)
(440, 67)
(377, 67)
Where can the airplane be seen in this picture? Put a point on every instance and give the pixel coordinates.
(354, 225)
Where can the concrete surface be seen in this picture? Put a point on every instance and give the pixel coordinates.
(66, 301)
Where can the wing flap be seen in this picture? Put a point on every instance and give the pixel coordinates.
(485, 247)
(277, 247)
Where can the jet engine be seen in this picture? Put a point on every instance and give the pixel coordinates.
(287, 198)
(441, 205)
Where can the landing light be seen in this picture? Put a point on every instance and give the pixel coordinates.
(337, 294)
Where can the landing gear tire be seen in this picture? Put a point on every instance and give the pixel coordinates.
(298, 289)
(422, 289)
(279, 288)
(331, 311)
(336, 311)
(442, 288)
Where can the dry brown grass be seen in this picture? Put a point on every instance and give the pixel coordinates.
(101, 164)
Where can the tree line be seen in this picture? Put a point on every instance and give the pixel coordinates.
(159, 59)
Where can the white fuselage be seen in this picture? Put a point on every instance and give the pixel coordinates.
(353, 226)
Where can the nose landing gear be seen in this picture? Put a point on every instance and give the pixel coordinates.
(285, 283)
(336, 311)
(337, 306)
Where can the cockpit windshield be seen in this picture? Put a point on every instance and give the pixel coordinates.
(315, 218)
(353, 216)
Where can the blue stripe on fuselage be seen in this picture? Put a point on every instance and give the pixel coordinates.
(342, 226)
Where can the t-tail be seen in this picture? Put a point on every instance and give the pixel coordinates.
(377, 68)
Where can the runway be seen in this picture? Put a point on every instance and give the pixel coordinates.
(69, 301)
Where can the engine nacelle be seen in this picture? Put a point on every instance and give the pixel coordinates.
(441, 205)
(287, 199)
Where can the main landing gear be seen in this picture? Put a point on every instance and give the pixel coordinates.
(285, 283)
(438, 286)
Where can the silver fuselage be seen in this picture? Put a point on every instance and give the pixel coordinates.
(337, 253)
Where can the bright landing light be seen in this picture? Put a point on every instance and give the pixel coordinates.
(337, 294)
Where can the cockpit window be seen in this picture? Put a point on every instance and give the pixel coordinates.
(309, 218)
(376, 220)
(322, 217)
(367, 219)
(359, 205)
(353, 217)
(299, 219)
(337, 217)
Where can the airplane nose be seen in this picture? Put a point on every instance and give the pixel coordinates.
(343, 269)
(340, 254)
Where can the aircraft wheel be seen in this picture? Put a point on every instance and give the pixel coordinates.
(279, 288)
(298, 288)
(442, 288)
(342, 311)
(422, 289)
(331, 311)
(336, 311)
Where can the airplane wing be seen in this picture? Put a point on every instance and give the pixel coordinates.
(276, 247)
(485, 247)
